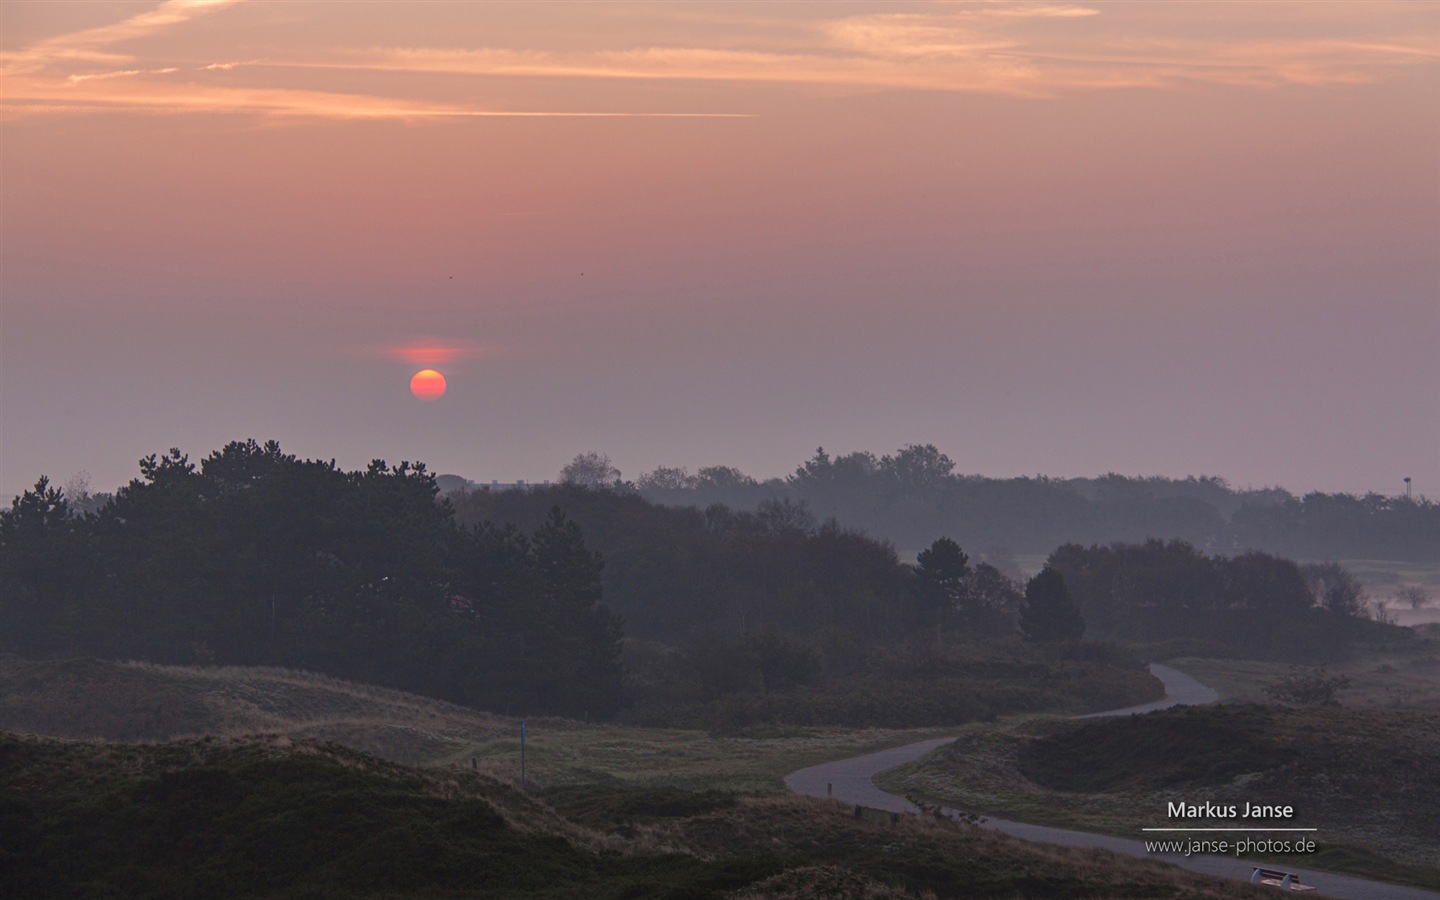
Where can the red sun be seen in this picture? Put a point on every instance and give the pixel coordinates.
(427, 384)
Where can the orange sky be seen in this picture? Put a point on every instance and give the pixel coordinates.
(1174, 238)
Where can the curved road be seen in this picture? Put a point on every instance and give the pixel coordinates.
(852, 783)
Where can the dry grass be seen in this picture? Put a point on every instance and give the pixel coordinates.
(1380, 577)
(91, 699)
(1390, 680)
(776, 846)
(1359, 775)
(922, 855)
(823, 883)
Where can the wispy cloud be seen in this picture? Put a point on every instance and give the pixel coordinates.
(987, 48)
(124, 73)
(229, 66)
(433, 351)
(35, 82)
(996, 74)
(161, 99)
(1008, 48)
(90, 45)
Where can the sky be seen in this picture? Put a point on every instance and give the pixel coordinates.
(1049, 238)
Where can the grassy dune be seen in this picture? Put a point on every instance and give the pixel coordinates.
(159, 755)
(1406, 678)
(84, 699)
(271, 816)
(1363, 777)
(120, 701)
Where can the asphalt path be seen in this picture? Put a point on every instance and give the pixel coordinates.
(851, 781)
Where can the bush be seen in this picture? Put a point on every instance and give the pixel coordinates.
(1200, 745)
(1312, 688)
(1101, 652)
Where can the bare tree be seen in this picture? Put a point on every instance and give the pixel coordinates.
(666, 478)
(1414, 595)
(1335, 589)
(592, 470)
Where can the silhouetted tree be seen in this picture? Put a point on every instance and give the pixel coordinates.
(42, 567)
(1049, 615)
(918, 468)
(575, 638)
(995, 599)
(910, 496)
(592, 470)
(1412, 594)
(943, 572)
(665, 479)
(255, 557)
(1335, 589)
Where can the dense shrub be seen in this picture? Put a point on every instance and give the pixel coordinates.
(1187, 745)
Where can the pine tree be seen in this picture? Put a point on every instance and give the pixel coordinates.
(1049, 615)
(943, 572)
(574, 638)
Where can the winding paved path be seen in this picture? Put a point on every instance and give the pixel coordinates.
(852, 782)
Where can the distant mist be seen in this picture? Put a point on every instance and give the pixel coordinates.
(915, 495)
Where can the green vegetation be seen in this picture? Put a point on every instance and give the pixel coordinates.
(1184, 747)
(131, 701)
(256, 557)
(736, 620)
(1359, 776)
(753, 644)
(232, 819)
(637, 791)
(1049, 615)
(721, 685)
(1393, 676)
(1173, 599)
(1308, 688)
(271, 817)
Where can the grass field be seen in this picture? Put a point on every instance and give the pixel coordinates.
(1380, 576)
(1391, 679)
(651, 791)
(1357, 771)
(85, 699)
(1359, 775)
(274, 817)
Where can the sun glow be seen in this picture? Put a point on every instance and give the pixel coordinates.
(427, 384)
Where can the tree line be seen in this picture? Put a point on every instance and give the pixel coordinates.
(519, 600)
(256, 557)
(916, 493)
(675, 571)
(1252, 604)
(496, 600)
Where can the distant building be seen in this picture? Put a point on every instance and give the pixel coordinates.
(451, 484)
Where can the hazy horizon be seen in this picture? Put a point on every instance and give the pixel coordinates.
(1062, 239)
(629, 474)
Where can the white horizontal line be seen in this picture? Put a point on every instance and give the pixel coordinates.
(1229, 829)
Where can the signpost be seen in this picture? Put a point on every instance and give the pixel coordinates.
(522, 752)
